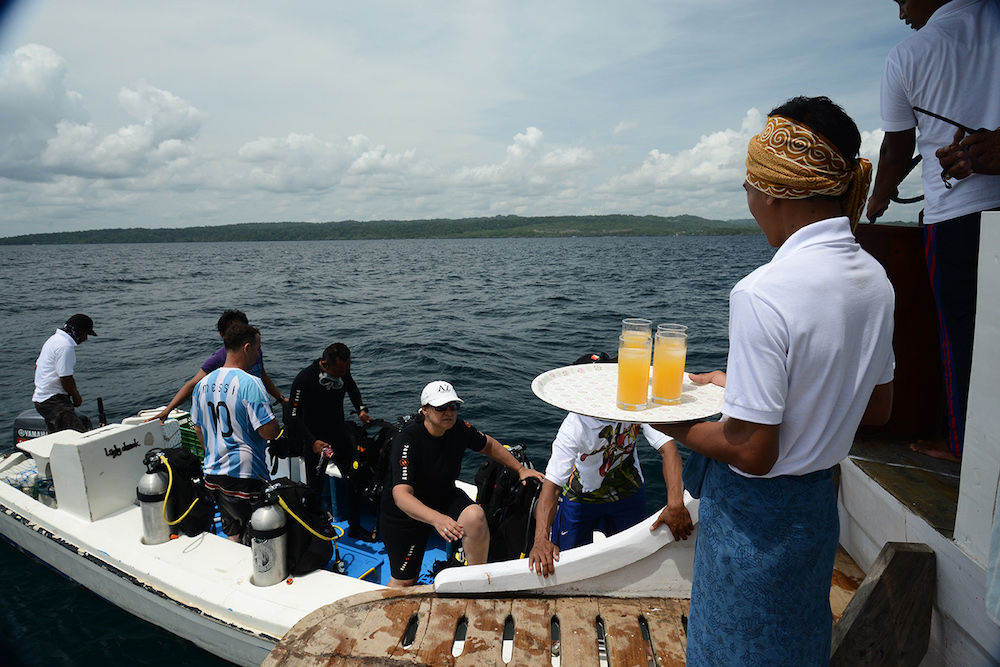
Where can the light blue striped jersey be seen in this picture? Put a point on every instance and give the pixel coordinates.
(230, 405)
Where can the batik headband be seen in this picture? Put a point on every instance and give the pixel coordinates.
(790, 161)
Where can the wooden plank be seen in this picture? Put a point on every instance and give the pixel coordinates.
(532, 631)
(889, 619)
(381, 632)
(436, 645)
(847, 576)
(578, 630)
(623, 637)
(931, 495)
(666, 629)
(484, 639)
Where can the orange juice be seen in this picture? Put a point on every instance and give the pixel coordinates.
(633, 371)
(668, 368)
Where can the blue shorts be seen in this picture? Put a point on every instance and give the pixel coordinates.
(576, 522)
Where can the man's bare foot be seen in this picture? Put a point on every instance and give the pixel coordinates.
(937, 449)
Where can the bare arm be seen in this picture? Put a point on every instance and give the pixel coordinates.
(675, 515)
(183, 394)
(543, 552)
(893, 163)
(69, 384)
(270, 430)
(751, 447)
(271, 388)
(879, 406)
(500, 454)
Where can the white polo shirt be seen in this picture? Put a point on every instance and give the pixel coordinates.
(951, 66)
(56, 360)
(810, 336)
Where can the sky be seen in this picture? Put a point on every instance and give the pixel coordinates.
(175, 114)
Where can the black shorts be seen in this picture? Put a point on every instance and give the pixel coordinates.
(405, 538)
(233, 496)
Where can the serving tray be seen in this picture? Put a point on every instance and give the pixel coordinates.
(591, 390)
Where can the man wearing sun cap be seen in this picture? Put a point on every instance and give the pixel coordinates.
(56, 393)
(810, 359)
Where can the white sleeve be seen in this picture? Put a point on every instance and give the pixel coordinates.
(65, 360)
(756, 374)
(565, 449)
(897, 110)
(654, 437)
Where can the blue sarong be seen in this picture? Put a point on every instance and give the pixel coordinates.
(762, 570)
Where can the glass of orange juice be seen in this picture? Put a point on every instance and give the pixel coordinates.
(669, 353)
(634, 351)
(637, 327)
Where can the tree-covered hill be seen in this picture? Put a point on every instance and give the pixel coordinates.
(487, 227)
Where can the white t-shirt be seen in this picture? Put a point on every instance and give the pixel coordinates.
(603, 455)
(951, 66)
(56, 360)
(810, 336)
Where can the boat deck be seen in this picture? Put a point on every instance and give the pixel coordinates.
(417, 626)
(926, 485)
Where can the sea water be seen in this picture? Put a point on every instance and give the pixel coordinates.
(487, 315)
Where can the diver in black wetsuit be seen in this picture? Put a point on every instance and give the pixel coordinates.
(316, 418)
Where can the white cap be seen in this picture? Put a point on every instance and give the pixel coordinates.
(438, 393)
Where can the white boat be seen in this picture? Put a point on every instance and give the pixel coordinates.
(961, 633)
(200, 588)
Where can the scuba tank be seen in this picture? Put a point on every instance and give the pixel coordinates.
(152, 492)
(268, 541)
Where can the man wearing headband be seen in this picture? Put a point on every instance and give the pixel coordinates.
(315, 417)
(56, 393)
(948, 67)
(810, 359)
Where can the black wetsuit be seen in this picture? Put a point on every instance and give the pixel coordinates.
(430, 465)
(316, 412)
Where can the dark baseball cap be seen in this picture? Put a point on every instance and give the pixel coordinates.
(82, 323)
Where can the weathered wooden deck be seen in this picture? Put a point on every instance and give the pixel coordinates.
(417, 627)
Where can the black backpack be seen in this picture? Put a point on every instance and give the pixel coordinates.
(372, 443)
(187, 483)
(304, 551)
(509, 506)
(284, 445)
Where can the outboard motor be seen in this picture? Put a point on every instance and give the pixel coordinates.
(27, 425)
(268, 540)
(152, 492)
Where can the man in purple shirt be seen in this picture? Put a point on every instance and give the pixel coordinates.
(215, 361)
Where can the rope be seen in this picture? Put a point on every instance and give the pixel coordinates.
(281, 501)
(170, 483)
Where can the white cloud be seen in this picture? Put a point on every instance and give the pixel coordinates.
(43, 135)
(624, 126)
(717, 158)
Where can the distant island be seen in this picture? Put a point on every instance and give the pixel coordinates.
(500, 226)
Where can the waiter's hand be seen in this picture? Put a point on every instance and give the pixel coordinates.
(714, 377)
